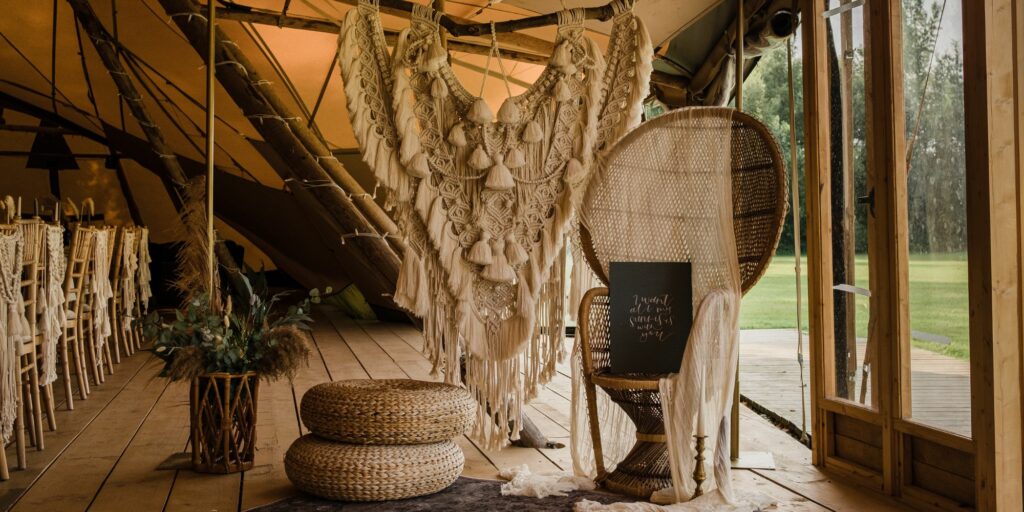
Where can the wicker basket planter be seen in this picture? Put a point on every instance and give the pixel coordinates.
(382, 412)
(352, 472)
(223, 421)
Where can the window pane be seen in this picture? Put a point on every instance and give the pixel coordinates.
(936, 194)
(853, 354)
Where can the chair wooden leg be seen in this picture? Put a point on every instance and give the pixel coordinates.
(5, 472)
(81, 366)
(37, 407)
(19, 432)
(115, 337)
(108, 359)
(65, 369)
(51, 420)
(595, 428)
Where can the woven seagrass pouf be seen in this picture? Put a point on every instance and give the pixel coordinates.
(385, 412)
(353, 472)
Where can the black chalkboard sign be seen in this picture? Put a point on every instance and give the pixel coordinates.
(651, 315)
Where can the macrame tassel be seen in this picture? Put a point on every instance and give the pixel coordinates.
(438, 89)
(533, 134)
(562, 56)
(418, 167)
(499, 177)
(514, 252)
(434, 59)
(562, 92)
(424, 196)
(480, 253)
(410, 147)
(435, 227)
(457, 136)
(479, 159)
(480, 113)
(515, 159)
(574, 171)
(509, 112)
(499, 271)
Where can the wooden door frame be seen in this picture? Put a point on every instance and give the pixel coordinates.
(994, 76)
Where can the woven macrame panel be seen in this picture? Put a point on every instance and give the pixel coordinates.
(484, 197)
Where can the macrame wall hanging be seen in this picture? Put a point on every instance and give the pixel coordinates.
(145, 274)
(101, 290)
(54, 312)
(486, 200)
(14, 327)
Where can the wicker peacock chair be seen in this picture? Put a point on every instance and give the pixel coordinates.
(759, 196)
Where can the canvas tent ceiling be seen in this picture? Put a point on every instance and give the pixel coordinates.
(50, 69)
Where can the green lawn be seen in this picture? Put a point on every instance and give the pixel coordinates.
(938, 299)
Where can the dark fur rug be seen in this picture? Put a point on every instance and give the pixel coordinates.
(465, 495)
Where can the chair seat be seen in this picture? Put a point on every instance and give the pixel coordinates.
(645, 381)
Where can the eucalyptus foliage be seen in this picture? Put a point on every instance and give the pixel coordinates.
(235, 340)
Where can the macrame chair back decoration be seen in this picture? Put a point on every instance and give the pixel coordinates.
(759, 199)
(704, 185)
(485, 198)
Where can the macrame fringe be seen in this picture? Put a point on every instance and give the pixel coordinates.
(378, 148)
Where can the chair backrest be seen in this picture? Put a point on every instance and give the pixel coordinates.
(758, 179)
(666, 192)
(33, 232)
(79, 256)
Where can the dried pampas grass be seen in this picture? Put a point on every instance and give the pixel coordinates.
(191, 280)
(186, 364)
(287, 351)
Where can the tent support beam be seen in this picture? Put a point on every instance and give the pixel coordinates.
(271, 18)
(310, 160)
(175, 175)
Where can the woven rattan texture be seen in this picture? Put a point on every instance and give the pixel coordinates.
(759, 196)
(386, 412)
(350, 472)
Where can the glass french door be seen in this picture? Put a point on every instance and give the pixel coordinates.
(887, 249)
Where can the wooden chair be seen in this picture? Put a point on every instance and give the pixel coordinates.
(759, 207)
(123, 276)
(33, 232)
(72, 347)
(98, 356)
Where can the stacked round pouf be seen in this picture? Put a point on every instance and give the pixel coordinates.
(378, 440)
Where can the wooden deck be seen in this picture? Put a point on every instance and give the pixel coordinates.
(106, 452)
(770, 377)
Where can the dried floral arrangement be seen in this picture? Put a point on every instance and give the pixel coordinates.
(261, 336)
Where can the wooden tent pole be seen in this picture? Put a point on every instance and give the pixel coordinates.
(268, 109)
(211, 85)
(311, 162)
(734, 445)
(106, 48)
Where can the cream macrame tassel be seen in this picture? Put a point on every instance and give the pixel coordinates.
(562, 56)
(438, 89)
(509, 112)
(435, 226)
(499, 177)
(515, 158)
(499, 270)
(419, 166)
(479, 159)
(480, 113)
(514, 252)
(434, 58)
(424, 198)
(562, 91)
(409, 148)
(457, 136)
(574, 171)
(533, 133)
(480, 253)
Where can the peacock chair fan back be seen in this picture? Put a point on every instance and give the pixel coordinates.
(703, 185)
(759, 199)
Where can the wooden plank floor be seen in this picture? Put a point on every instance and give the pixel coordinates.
(106, 452)
(770, 377)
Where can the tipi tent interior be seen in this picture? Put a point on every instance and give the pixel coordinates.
(519, 254)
